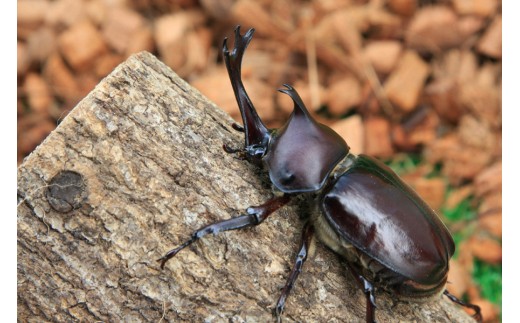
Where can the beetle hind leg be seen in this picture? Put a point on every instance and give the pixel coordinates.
(477, 316)
(368, 290)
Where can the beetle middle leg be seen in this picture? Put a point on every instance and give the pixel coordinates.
(255, 215)
(368, 289)
(307, 234)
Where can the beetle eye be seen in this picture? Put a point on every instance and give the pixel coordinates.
(287, 179)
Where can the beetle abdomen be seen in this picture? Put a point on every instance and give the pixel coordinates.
(377, 273)
(370, 207)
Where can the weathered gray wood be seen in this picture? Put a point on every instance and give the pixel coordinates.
(148, 148)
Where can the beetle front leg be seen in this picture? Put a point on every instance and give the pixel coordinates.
(307, 234)
(240, 153)
(255, 215)
(237, 127)
(228, 148)
(368, 289)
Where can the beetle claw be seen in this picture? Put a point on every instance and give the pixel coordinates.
(240, 153)
(237, 127)
(278, 310)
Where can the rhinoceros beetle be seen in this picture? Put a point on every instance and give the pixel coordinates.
(359, 208)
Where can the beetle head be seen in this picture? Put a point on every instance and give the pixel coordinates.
(303, 152)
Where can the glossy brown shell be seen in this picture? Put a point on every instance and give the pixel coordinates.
(370, 207)
(303, 152)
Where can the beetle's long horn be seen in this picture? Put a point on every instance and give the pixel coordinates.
(256, 132)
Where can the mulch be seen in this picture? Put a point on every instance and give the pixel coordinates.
(393, 77)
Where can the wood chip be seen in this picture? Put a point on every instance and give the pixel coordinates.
(198, 46)
(41, 44)
(486, 249)
(425, 130)
(60, 79)
(351, 129)
(432, 190)
(491, 42)
(484, 101)
(469, 26)
(31, 13)
(65, 13)
(377, 137)
(406, 82)
(23, 59)
(436, 151)
(260, 18)
(384, 24)
(142, 40)
(97, 10)
(348, 33)
(215, 86)
(261, 95)
(32, 131)
(170, 35)
(217, 8)
(442, 95)
(476, 133)
(401, 140)
(38, 93)
(106, 63)
(81, 45)
(403, 7)
(491, 202)
(489, 180)
(463, 164)
(343, 95)
(491, 222)
(459, 162)
(458, 195)
(87, 82)
(383, 55)
(120, 26)
(432, 29)
(484, 8)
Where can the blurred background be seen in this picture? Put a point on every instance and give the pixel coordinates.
(415, 83)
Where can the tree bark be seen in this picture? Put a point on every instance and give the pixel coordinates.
(128, 175)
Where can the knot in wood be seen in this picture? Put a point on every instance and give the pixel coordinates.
(66, 191)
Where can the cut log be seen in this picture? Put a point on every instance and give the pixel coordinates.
(129, 174)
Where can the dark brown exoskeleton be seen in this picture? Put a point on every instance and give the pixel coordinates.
(360, 208)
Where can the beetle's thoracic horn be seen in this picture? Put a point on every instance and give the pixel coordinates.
(299, 106)
(291, 167)
(256, 132)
